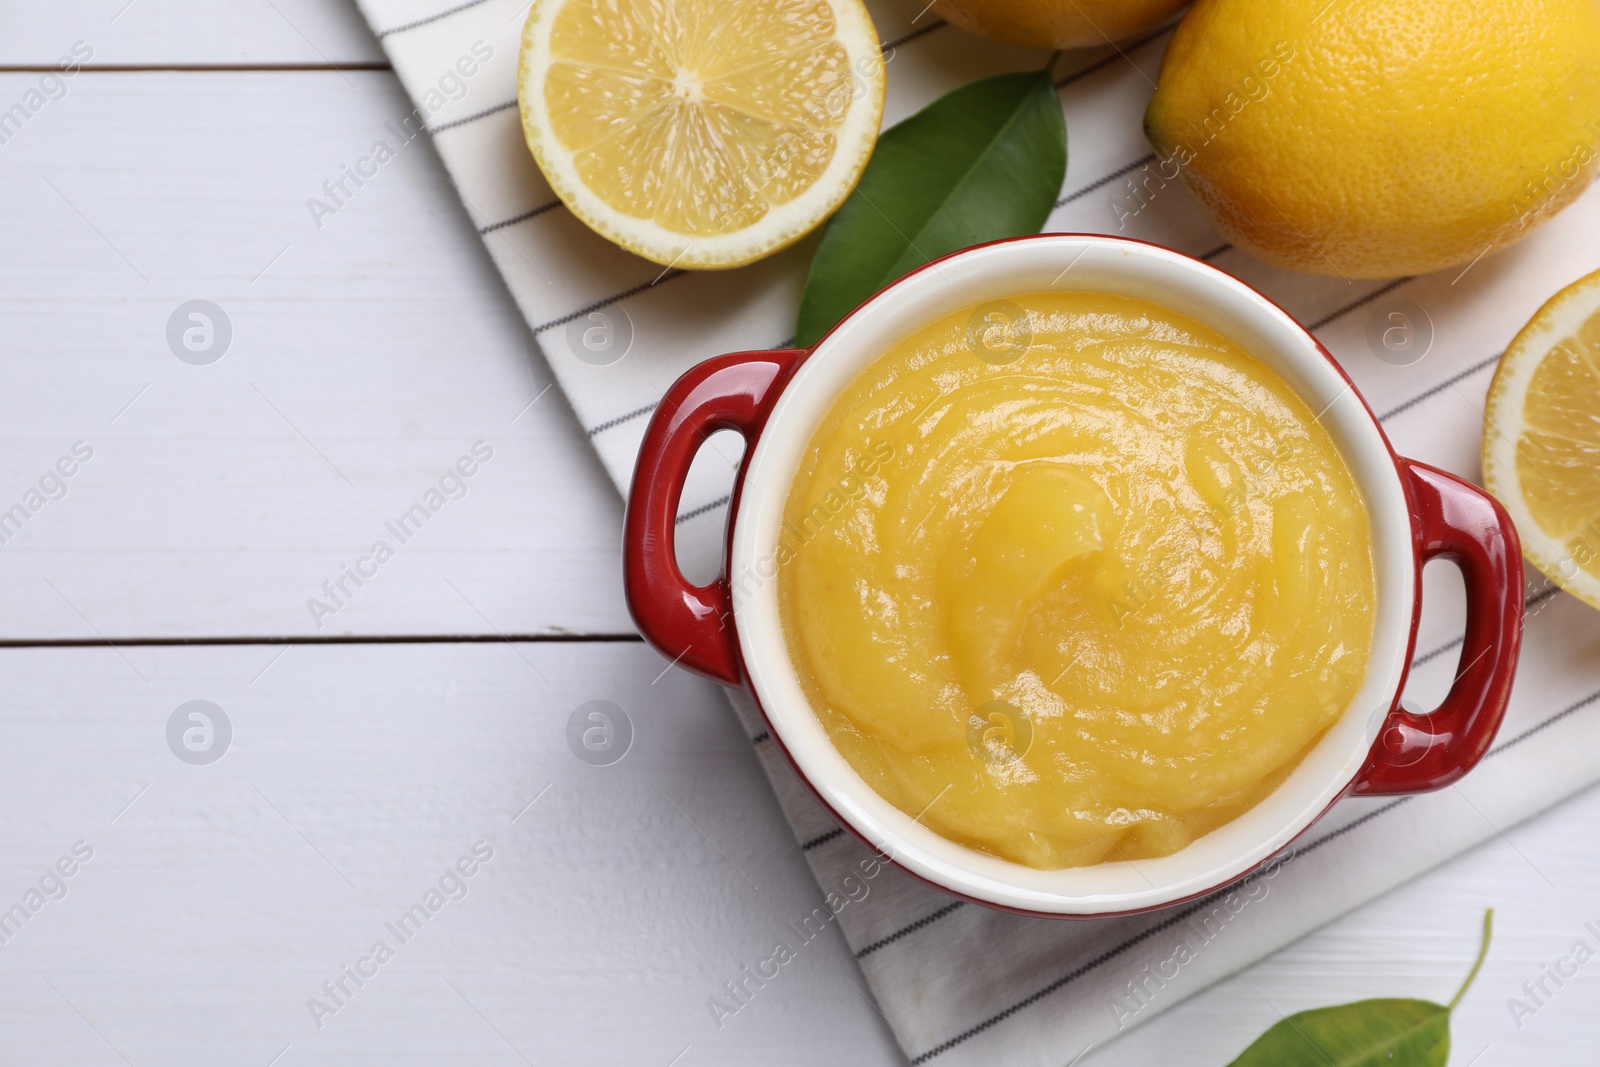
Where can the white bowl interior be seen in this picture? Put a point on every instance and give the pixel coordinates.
(1096, 264)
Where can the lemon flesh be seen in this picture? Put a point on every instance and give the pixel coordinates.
(701, 134)
(1541, 444)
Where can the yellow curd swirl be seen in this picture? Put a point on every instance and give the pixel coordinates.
(1073, 578)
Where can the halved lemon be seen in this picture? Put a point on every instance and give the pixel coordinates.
(1541, 438)
(701, 133)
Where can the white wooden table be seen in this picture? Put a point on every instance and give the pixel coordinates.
(427, 716)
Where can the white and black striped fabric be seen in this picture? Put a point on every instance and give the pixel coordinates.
(961, 984)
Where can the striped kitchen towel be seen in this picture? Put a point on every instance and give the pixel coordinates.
(958, 983)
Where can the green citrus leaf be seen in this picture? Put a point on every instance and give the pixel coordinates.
(1368, 1033)
(982, 162)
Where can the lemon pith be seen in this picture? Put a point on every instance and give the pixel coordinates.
(699, 133)
(1541, 443)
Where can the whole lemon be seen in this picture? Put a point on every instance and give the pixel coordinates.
(1368, 139)
(1056, 23)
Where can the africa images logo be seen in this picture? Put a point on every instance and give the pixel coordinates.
(199, 732)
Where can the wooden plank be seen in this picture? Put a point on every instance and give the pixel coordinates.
(188, 32)
(372, 350)
(220, 897)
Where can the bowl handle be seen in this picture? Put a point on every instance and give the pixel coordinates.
(1456, 520)
(692, 624)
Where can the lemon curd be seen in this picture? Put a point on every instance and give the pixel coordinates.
(1072, 578)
